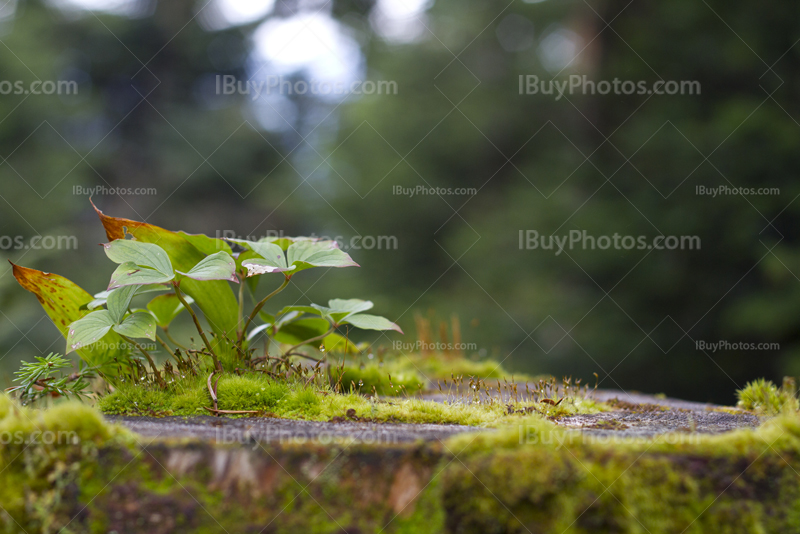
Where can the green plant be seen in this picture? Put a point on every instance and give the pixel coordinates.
(764, 397)
(196, 271)
(36, 379)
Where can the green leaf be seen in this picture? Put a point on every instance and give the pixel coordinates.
(272, 257)
(285, 242)
(138, 325)
(258, 266)
(219, 266)
(214, 298)
(64, 302)
(284, 317)
(139, 253)
(88, 330)
(306, 254)
(300, 255)
(336, 310)
(101, 298)
(165, 308)
(251, 281)
(119, 300)
(207, 245)
(371, 322)
(257, 330)
(302, 309)
(93, 305)
(301, 330)
(337, 343)
(129, 274)
(341, 308)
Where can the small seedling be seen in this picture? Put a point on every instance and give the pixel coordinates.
(37, 379)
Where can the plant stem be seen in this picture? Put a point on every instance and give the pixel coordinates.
(260, 305)
(149, 359)
(212, 391)
(186, 305)
(169, 336)
(241, 307)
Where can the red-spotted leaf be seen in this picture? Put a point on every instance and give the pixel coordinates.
(64, 302)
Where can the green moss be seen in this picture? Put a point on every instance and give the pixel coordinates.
(41, 455)
(414, 372)
(538, 477)
(764, 397)
(297, 400)
(190, 402)
(373, 378)
(103, 481)
(5, 406)
(528, 476)
(137, 399)
(303, 402)
(251, 392)
(73, 420)
(440, 366)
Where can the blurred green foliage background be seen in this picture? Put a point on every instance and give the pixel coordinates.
(148, 114)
